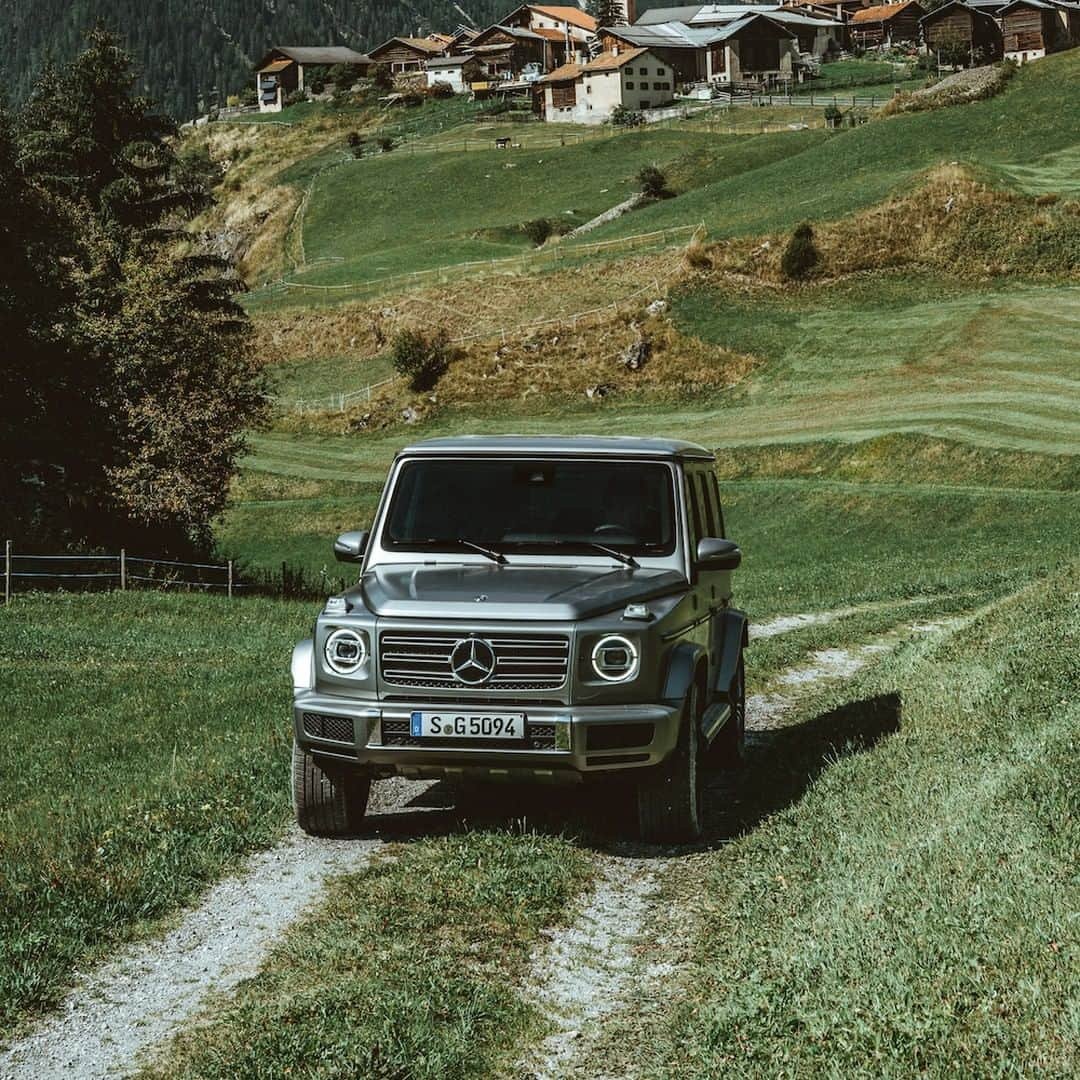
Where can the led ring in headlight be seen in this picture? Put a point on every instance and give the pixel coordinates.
(345, 651)
(615, 658)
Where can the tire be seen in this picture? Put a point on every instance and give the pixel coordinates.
(669, 798)
(727, 747)
(325, 804)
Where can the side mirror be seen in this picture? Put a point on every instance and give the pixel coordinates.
(349, 546)
(716, 554)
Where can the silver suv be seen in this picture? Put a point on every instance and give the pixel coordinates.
(528, 609)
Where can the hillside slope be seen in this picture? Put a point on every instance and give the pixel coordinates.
(187, 47)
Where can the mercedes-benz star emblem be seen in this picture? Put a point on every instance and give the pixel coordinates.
(472, 661)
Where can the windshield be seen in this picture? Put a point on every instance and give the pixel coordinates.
(533, 506)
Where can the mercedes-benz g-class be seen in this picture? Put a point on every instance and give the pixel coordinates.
(528, 609)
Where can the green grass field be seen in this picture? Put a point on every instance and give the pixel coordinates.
(148, 742)
(1035, 116)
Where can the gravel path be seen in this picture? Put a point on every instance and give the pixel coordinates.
(133, 1003)
(580, 975)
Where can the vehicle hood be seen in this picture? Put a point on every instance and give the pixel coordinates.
(509, 592)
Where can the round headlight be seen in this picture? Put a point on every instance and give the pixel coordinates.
(615, 659)
(345, 651)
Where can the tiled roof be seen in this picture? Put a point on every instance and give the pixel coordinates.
(879, 13)
(611, 62)
(574, 16)
(562, 74)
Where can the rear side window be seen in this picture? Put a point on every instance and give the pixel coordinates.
(708, 514)
(714, 491)
(694, 502)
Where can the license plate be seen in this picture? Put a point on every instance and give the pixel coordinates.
(458, 725)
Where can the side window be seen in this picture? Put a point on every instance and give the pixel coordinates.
(693, 505)
(708, 514)
(714, 490)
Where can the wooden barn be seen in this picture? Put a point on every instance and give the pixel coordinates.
(1032, 28)
(401, 54)
(886, 24)
(957, 25)
(281, 70)
(505, 51)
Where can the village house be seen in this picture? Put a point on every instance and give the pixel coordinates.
(508, 51)
(569, 31)
(633, 79)
(1031, 29)
(887, 24)
(812, 33)
(752, 48)
(965, 28)
(405, 54)
(458, 72)
(281, 70)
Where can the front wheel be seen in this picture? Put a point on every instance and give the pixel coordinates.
(325, 804)
(669, 797)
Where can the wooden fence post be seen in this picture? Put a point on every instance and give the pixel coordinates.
(230, 578)
(7, 571)
(123, 570)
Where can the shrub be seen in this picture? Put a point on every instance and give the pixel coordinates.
(249, 96)
(386, 144)
(294, 97)
(317, 86)
(621, 116)
(800, 256)
(696, 257)
(833, 116)
(538, 230)
(421, 359)
(653, 183)
(355, 142)
(382, 77)
(442, 90)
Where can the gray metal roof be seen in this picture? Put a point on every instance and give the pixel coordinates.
(663, 15)
(673, 35)
(570, 445)
(330, 55)
(448, 61)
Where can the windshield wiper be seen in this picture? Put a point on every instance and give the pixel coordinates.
(622, 556)
(491, 553)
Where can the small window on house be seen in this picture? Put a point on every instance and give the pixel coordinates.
(660, 71)
(588, 89)
(643, 71)
(629, 86)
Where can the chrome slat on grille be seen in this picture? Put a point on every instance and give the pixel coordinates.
(527, 662)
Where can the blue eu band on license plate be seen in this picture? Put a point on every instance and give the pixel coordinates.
(467, 725)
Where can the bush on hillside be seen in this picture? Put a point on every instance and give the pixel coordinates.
(653, 183)
(538, 230)
(800, 256)
(421, 359)
(621, 116)
(382, 77)
(386, 144)
(442, 90)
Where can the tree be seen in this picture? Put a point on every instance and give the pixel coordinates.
(421, 359)
(653, 183)
(608, 12)
(800, 256)
(133, 429)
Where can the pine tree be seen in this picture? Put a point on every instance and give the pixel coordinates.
(148, 410)
(608, 12)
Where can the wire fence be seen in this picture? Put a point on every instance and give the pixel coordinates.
(121, 571)
(339, 402)
(549, 256)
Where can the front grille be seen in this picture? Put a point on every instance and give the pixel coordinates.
(537, 737)
(522, 661)
(338, 728)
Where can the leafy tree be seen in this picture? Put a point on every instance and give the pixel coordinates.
(801, 255)
(421, 359)
(132, 433)
(653, 183)
(538, 230)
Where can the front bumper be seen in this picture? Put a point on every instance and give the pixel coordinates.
(564, 743)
